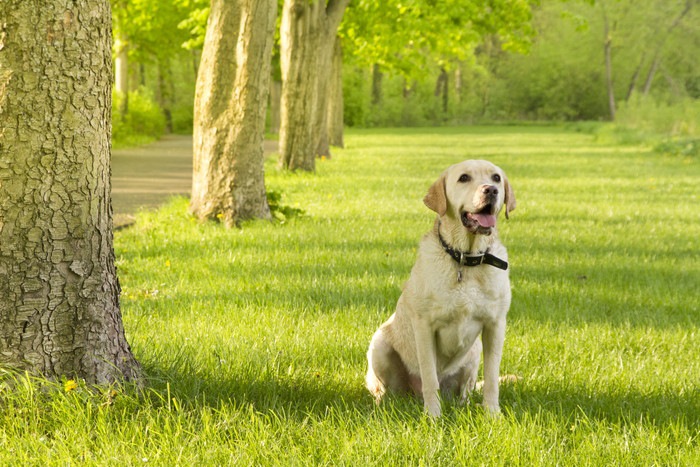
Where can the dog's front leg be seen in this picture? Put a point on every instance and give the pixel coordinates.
(492, 336)
(425, 351)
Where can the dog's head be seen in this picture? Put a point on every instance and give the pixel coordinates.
(474, 192)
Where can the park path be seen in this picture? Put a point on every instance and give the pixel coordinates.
(147, 176)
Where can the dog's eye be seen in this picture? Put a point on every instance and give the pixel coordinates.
(496, 178)
(464, 178)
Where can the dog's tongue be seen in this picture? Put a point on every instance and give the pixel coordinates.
(484, 220)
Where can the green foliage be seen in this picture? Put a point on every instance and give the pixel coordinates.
(401, 105)
(679, 148)
(562, 78)
(195, 22)
(157, 60)
(356, 96)
(144, 122)
(150, 27)
(671, 126)
(280, 211)
(656, 116)
(254, 339)
(406, 37)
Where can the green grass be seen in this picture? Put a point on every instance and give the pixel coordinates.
(254, 339)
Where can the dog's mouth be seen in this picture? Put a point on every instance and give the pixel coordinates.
(482, 221)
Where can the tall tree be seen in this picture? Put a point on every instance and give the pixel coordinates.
(59, 292)
(307, 39)
(229, 120)
(608, 32)
(335, 98)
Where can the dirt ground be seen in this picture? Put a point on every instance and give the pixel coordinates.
(147, 176)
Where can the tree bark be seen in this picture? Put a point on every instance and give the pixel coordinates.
(307, 36)
(442, 88)
(59, 292)
(635, 76)
(607, 49)
(166, 91)
(229, 120)
(335, 103)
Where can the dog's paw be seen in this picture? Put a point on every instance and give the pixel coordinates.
(432, 407)
(494, 411)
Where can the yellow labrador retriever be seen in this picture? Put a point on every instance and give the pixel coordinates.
(458, 289)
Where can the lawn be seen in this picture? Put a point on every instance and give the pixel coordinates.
(253, 339)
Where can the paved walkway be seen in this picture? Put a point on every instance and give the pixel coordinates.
(147, 176)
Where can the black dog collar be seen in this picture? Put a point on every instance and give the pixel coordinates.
(472, 260)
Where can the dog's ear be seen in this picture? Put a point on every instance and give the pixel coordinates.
(436, 199)
(510, 196)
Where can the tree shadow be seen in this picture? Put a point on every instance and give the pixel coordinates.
(578, 403)
(290, 397)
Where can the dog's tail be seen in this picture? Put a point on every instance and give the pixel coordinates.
(505, 379)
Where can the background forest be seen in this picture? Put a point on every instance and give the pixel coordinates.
(618, 61)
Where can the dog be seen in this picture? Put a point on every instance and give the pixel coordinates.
(458, 289)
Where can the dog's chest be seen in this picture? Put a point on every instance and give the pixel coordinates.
(473, 295)
(467, 308)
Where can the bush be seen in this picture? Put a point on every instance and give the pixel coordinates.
(661, 117)
(143, 122)
(682, 148)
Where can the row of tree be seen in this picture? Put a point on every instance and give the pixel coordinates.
(59, 291)
(400, 69)
(233, 80)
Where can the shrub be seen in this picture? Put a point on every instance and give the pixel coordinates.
(661, 117)
(682, 148)
(143, 122)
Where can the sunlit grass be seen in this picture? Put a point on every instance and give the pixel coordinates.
(254, 339)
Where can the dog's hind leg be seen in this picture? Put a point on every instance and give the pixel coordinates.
(385, 370)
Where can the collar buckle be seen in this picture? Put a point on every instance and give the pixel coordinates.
(469, 260)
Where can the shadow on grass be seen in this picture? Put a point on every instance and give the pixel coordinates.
(314, 395)
(296, 398)
(580, 404)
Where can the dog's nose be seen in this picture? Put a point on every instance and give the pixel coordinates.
(489, 190)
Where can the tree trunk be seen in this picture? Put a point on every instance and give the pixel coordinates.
(307, 37)
(442, 88)
(195, 63)
(659, 48)
(635, 76)
(59, 292)
(166, 91)
(323, 148)
(650, 76)
(335, 104)
(458, 82)
(607, 49)
(230, 103)
(376, 85)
